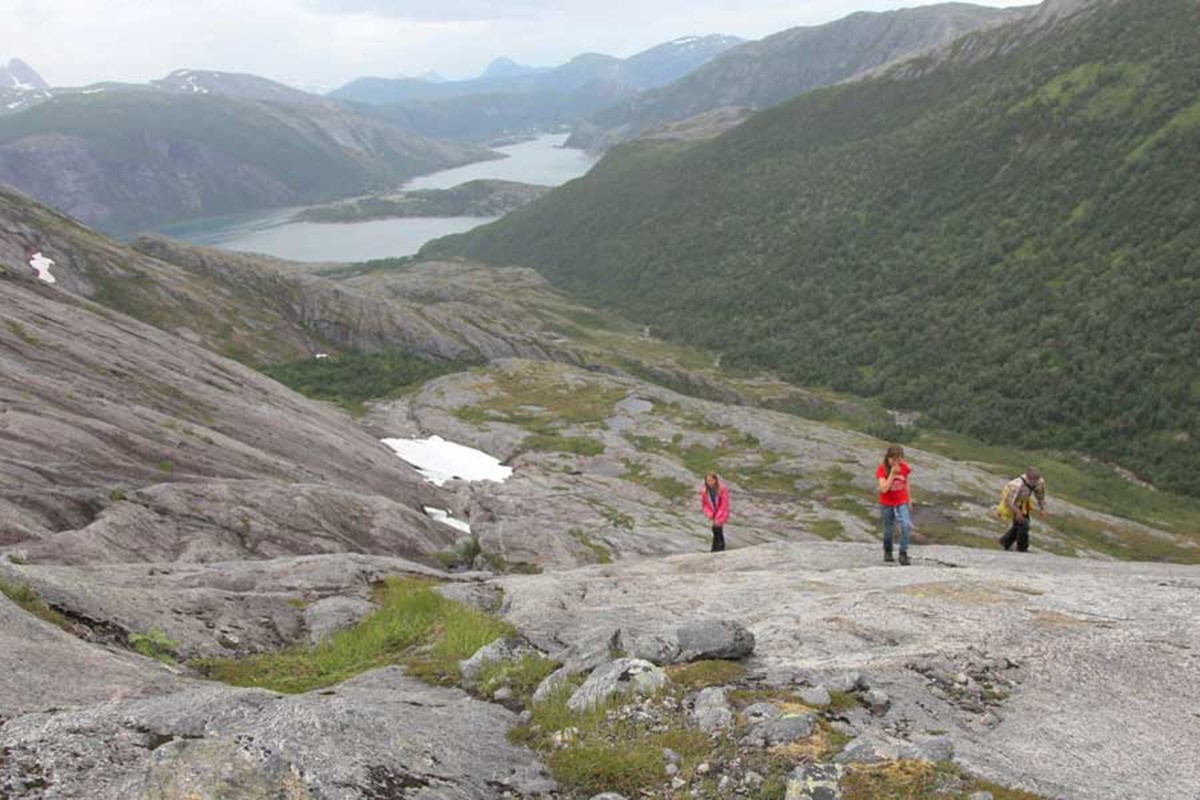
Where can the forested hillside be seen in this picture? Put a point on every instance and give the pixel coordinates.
(1011, 243)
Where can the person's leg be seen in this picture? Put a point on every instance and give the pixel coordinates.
(718, 542)
(1010, 536)
(1023, 536)
(888, 515)
(904, 519)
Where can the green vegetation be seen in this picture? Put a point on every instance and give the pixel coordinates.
(23, 595)
(351, 379)
(23, 334)
(155, 644)
(602, 553)
(1008, 243)
(701, 674)
(670, 488)
(479, 198)
(553, 443)
(916, 780)
(414, 626)
(522, 676)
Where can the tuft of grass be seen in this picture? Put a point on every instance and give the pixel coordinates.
(23, 334)
(523, 676)
(155, 644)
(24, 595)
(842, 701)
(414, 626)
(554, 443)
(701, 674)
(828, 529)
(909, 780)
(602, 553)
(166, 466)
(668, 487)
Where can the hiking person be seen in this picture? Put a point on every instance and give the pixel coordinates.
(1016, 503)
(895, 501)
(714, 500)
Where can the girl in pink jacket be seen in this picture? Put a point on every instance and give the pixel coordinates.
(714, 499)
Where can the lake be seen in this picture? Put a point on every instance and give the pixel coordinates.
(542, 160)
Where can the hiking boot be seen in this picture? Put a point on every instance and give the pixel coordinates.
(887, 556)
(904, 562)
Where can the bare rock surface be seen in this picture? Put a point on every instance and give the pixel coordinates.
(210, 610)
(1087, 673)
(42, 667)
(382, 734)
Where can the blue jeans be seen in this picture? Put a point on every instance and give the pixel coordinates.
(891, 515)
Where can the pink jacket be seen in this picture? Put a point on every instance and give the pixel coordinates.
(720, 514)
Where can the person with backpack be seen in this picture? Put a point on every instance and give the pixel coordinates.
(714, 501)
(1016, 503)
(895, 502)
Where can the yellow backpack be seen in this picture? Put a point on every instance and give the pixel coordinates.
(1002, 509)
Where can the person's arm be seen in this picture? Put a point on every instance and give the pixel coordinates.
(1040, 494)
(885, 483)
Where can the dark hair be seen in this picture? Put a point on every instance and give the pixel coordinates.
(894, 450)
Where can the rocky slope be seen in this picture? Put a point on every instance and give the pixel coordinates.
(761, 74)
(126, 159)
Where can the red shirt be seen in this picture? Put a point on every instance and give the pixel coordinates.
(897, 494)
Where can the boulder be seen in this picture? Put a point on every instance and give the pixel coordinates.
(816, 782)
(815, 696)
(714, 639)
(873, 747)
(623, 676)
(712, 712)
(329, 615)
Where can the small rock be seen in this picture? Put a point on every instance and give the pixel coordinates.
(227, 639)
(877, 700)
(502, 694)
(703, 768)
(670, 756)
(816, 782)
(625, 675)
(678, 783)
(817, 696)
(980, 796)
(961, 678)
(761, 712)
(525, 717)
(723, 785)
(564, 738)
(712, 712)
(788, 728)
(499, 650)
(671, 770)
(846, 682)
(608, 796)
(752, 780)
(714, 639)
(549, 684)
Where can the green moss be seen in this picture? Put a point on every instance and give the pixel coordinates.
(23, 595)
(23, 334)
(701, 674)
(553, 443)
(155, 644)
(828, 529)
(414, 626)
(603, 554)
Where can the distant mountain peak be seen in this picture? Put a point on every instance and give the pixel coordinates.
(22, 77)
(505, 67)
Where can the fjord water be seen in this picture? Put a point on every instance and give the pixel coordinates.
(542, 160)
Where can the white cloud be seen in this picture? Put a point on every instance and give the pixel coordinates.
(328, 42)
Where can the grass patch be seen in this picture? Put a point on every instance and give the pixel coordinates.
(602, 553)
(842, 701)
(701, 674)
(664, 485)
(553, 443)
(155, 644)
(914, 780)
(414, 626)
(23, 595)
(23, 334)
(522, 676)
(351, 379)
(607, 753)
(828, 529)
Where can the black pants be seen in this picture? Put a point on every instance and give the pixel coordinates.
(1019, 533)
(718, 538)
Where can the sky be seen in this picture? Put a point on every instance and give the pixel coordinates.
(322, 44)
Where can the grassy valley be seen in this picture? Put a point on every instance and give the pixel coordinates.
(1007, 244)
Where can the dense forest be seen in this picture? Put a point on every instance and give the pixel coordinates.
(1010, 243)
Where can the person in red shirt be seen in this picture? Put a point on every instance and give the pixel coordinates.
(895, 502)
(714, 501)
